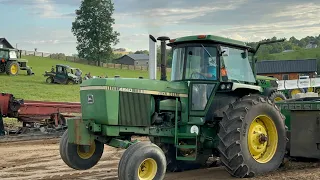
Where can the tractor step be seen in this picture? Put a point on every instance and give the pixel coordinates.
(192, 147)
(187, 136)
(186, 146)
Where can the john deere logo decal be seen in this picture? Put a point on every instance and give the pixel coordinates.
(90, 99)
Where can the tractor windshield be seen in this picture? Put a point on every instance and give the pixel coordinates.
(237, 66)
(199, 61)
(4, 54)
(194, 62)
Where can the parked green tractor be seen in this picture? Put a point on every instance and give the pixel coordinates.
(270, 88)
(11, 64)
(212, 106)
(63, 74)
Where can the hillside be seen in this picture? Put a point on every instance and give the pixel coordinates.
(35, 87)
(298, 54)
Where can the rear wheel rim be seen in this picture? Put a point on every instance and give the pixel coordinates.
(295, 91)
(147, 169)
(278, 99)
(14, 69)
(262, 139)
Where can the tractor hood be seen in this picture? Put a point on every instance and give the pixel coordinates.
(72, 75)
(124, 101)
(144, 86)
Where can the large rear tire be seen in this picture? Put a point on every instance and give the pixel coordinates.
(12, 68)
(293, 92)
(75, 157)
(252, 137)
(277, 96)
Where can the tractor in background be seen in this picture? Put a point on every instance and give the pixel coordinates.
(11, 64)
(63, 74)
(270, 88)
(213, 106)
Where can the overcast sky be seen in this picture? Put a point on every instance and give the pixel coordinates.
(46, 24)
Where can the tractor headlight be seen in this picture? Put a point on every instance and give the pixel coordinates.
(225, 87)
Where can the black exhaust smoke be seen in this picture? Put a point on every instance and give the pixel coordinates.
(163, 40)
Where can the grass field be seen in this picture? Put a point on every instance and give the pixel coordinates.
(299, 54)
(35, 87)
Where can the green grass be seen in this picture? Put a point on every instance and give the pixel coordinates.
(35, 87)
(299, 54)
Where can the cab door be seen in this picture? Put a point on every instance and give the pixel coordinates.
(61, 75)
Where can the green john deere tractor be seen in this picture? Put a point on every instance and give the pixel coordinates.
(11, 64)
(212, 106)
(270, 88)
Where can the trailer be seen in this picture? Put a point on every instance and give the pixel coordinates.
(302, 118)
(40, 119)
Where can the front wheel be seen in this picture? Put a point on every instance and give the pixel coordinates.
(142, 161)
(252, 137)
(79, 157)
(49, 80)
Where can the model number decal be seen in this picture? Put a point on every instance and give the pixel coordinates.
(300, 106)
(131, 90)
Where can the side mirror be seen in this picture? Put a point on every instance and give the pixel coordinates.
(244, 55)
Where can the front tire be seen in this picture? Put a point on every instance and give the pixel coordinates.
(142, 161)
(252, 137)
(49, 80)
(75, 157)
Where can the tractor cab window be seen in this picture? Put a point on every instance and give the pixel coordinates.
(4, 54)
(13, 55)
(194, 62)
(60, 70)
(235, 65)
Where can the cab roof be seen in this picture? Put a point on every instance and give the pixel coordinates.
(8, 49)
(212, 38)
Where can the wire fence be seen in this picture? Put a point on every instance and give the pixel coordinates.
(61, 56)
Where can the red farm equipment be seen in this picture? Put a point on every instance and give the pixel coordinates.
(39, 119)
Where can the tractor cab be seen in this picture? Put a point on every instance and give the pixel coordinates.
(63, 74)
(212, 66)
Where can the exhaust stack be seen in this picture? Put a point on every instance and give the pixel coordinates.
(152, 57)
(163, 40)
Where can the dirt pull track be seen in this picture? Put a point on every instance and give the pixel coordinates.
(41, 160)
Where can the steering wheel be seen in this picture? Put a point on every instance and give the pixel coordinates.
(197, 75)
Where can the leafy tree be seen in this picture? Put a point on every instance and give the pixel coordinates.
(93, 30)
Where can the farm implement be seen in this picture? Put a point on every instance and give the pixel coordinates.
(39, 119)
(213, 106)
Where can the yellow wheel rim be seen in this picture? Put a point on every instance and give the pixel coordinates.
(278, 99)
(147, 169)
(262, 139)
(14, 69)
(310, 89)
(86, 155)
(295, 91)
